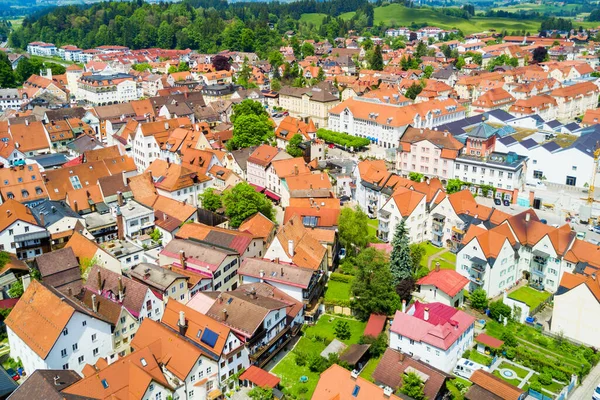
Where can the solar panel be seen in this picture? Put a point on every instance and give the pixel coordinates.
(104, 384)
(355, 391)
(209, 337)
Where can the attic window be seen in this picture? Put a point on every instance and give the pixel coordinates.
(355, 391)
(6, 181)
(33, 177)
(143, 362)
(20, 180)
(10, 195)
(104, 384)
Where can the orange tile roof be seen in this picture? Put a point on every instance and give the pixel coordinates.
(23, 183)
(263, 155)
(30, 137)
(578, 89)
(12, 211)
(258, 225)
(327, 211)
(82, 247)
(58, 181)
(309, 182)
(495, 385)
(335, 383)
(308, 252)
(290, 167)
(79, 200)
(406, 200)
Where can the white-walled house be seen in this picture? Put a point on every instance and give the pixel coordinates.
(48, 330)
(576, 305)
(444, 286)
(20, 233)
(404, 204)
(438, 334)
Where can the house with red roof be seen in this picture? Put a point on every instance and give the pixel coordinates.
(443, 285)
(437, 333)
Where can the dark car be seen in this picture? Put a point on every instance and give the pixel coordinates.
(13, 374)
(344, 199)
(506, 203)
(497, 202)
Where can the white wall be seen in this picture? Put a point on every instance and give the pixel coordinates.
(575, 315)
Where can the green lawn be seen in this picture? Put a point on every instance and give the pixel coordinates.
(315, 18)
(521, 373)
(446, 260)
(452, 384)
(514, 382)
(290, 373)
(372, 230)
(529, 296)
(368, 370)
(338, 290)
(479, 358)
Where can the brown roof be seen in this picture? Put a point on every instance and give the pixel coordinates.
(12, 211)
(442, 140)
(30, 137)
(495, 385)
(293, 306)
(58, 181)
(308, 252)
(110, 185)
(110, 312)
(42, 384)
(263, 155)
(60, 269)
(258, 225)
(143, 188)
(392, 367)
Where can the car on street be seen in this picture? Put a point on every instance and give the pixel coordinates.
(596, 395)
(595, 228)
(580, 235)
(286, 113)
(13, 374)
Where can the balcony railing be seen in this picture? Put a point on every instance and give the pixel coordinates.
(476, 280)
(540, 260)
(538, 272)
(438, 229)
(478, 267)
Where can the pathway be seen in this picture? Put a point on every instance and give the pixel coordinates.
(587, 387)
(435, 256)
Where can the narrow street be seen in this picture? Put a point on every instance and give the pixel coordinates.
(586, 389)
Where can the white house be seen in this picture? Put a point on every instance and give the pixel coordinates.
(48, 330)
(438, 334)
(111, 88)
(20, 233)
(259, 161)
(444, 286)
(42, 49)
(408, 205)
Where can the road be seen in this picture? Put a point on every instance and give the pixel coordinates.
(586, 389)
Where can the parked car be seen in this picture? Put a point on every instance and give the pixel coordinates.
(13, 374)
(344, 199)
(342, 253)
(543, 221)
(594, 228)
(580, 235)
(596, 395)
(286, 113)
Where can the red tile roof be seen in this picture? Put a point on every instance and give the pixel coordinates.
(260, 377)
(489, 341)
(375, 325)
(446, 280)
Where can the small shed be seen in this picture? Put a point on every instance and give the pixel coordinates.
(356, 356)
(335, 347)
(487, 343)
(375, 325)
(255, 376)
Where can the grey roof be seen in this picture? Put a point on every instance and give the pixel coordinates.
(572, 126)
(60, 269)
(587, 142)
(273, 271)
(529, 143)
(551, 146)
(62, 113)
(41, 385)
(482, 131)
(154, 275)
(7, 384)
(204, 252)
(50, 160)
(501, 115)
(53, 211)
(84, 143)
(445, 72)
(335, 347)
(553, 124)
(241, 156)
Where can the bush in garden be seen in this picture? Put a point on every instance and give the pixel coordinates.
(509, 339)
(545, 378)
(467, 354)
(510, 353)
(301, 358)
(535, 385)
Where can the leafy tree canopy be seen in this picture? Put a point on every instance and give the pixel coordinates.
(210, 200)
(292, 148)
(243, 201)
(352, 228)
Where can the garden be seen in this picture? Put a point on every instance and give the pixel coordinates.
(533, 298)
(447, 260)
(300, 369)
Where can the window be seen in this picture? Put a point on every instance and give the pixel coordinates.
(574, 168)
(209, 385)
(65, 366)
(193, 378)
(173, 289)
(93, 337)
(131, 326)
(200, 374)
(123, 320)
(81, 359)
(83, 323)
(11, 232)
(538, 174)
(158, 396)
(95, 352)
(208, 370)
(74, 346)
(65, 332)
(26, 229)
(63, 353)
(181, 285)
(571, 180)
(437, 352)
(191, 393)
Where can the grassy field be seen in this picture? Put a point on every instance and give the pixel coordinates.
(372, 230)
(310, 344)
(338, 290)
(446, 260)
(529, 296)
(315, 18)
(521, 373)
(542, 8)
(479, 358)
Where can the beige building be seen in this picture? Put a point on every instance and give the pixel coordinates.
(313, 103)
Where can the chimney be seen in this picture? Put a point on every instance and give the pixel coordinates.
(281, 271)
(75, 206)
(224, 314)
(26, 281)
(403, 306)
(94, 304)
(120, 225)
(99, 281)
(426, 314)
(437, 266)
(26, 122)
(527, 217)
(56, 382)
(291, 247)
(295, 169)
(120, 289)
(120, 200)
(166, 126)
(262, 273)
(41, 216)
(181, 323)
(182, 258)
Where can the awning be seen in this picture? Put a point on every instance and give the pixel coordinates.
(259, 189)
(272, 195)
(477, 260)
(214, 394)
(459, 231)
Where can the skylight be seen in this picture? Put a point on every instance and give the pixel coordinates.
(104, 384)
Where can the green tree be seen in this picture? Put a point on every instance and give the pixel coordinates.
(16, 289)
(352, 227)
(293, 148)
(248, 107)
(376, 60)
(428, 71)
(26, 68)
(417, 252)
(166, 35)
(261, 393)
(499, 310)
(342, 330)
(413, 90)
(479, 299)
(415, 176)
(373, 287)
(141, 67)
(250, 130)
(454, 185)
(307, 49)
(413, 386)
(400, 260)
(378, 344)
(156, 235)
(210, 200)
(243, 201)
(275, 84)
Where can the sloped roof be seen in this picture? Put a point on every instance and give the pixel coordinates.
(447, 280)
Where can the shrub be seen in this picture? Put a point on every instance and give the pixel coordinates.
(535, 385)
(542, 341)
(342, 330)
(378, 344)
(509, 339)
(466, 354)
(510, 353)
(301, 358)
(545, 378)
(499, 310)
(337, 277)
(479, 300)
(316, 363)
(303, 390)
(342, 139)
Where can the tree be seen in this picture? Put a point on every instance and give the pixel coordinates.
(539, 54)
(415, 176)
(16, 289)
(479, 300)
(261, 393)
(342, 330)
(248, 107)
(221, 63)
(454, 185)
(376, 61)
(26, 68)
(156, 235)
(417, 252)
(428, 71)
(352, 228)
(292, 148)
(307, 49)
(372, 288)
(412, 36)
(210, 200)
(413, 91)
(400, 260)
(499, 310)
(243, 201)
(249, 130)
(142, 67)
(405, 288)
(275, 84)
(378, 344)
(413, 386)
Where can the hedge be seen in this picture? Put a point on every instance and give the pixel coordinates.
(337, 277)
(342, 139)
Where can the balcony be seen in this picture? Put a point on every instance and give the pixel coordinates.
(439, 218)
(437, 229)
(476, 279)
(478, 267)
(437, 243)
(384, 215)
(538, 272)
(383, 227)
(540, 260)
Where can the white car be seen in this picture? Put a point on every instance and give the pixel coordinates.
(596, 395)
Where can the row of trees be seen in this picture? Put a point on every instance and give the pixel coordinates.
(26, 67)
